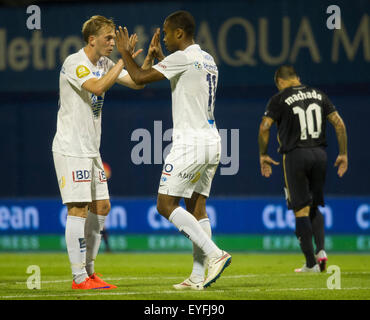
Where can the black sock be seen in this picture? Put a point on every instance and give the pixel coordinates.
(304, 235)
(318, 228)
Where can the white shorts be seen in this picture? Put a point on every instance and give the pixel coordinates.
(189, 169)
(80, 179)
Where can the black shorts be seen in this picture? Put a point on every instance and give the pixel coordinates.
(304, 174)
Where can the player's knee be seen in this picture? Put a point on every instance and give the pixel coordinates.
(165, 209)
(107, 208)
(104, 208)
(162, 208)
(100, 207)
(77, 209)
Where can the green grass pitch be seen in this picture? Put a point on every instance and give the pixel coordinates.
(148, 276)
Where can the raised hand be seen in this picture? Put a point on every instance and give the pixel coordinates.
(133, 41)
(155, 48)
(127, 43)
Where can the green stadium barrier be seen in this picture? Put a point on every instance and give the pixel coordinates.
(167, 243)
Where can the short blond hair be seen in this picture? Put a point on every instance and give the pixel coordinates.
(92, 26)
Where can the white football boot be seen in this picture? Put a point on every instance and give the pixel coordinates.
(314, 269)
(189, 284)
(322, 259)
(215, 267)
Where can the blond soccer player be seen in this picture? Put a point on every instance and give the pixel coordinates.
(84, 78)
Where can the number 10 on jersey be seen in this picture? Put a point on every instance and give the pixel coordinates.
(308, 119)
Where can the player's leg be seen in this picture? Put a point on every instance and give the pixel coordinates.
(304, 235)
(317, 179)
(318, 228)
(168, 206)
(98, 211)
(299, 198)
(188, 225)
(196, 206)
(179, 176)
(75, 240)
(95, 221)
(75, 192)
(74, 177)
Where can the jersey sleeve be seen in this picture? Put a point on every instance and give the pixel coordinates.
(77, 73)
(328, 106)
(173, 65)
(272, 109)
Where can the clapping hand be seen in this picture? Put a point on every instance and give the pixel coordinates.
(124, 42)
(155, 49)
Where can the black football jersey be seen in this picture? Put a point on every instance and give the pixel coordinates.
(300, 113)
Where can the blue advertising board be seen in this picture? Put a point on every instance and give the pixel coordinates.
(227, 216)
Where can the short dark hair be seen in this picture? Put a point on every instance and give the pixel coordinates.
(285, 72)
(183, 20)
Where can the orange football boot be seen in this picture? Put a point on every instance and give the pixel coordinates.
(89, 284)
(98, 280)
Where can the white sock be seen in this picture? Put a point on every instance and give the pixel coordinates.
(93, 226)
(198, 272)
(76, 247)
(190, 227)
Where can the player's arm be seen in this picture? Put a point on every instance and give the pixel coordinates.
(99, 86)
(263, 141)
(137, 74)
(127, 80)
(341, 132)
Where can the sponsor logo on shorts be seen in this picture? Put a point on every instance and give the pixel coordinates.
(196, 178)
(102, 176)
(167, 169)
(193, 177)
(81, 176)
(62, 182)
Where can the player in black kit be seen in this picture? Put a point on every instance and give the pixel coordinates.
(300, 113)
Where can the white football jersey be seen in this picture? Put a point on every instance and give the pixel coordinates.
(79, 117)
(193, 75)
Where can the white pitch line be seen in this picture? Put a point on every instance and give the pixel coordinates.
(251, 275)
(138, 278)
(170, 292)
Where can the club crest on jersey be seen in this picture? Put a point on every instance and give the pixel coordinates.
(81, 175)
(82, 71)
